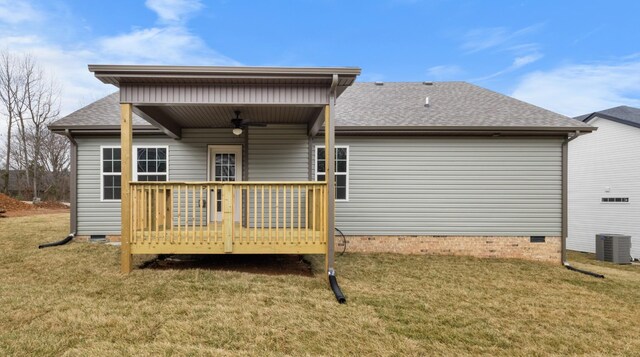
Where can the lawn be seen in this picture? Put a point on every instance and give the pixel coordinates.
(72, 301)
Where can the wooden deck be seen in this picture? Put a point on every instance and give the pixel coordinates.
(252, 218)
(245, 240)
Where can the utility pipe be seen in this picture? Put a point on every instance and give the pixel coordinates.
(64, 241)
(565, 208)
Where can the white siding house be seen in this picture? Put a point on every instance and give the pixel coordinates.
(604, 180)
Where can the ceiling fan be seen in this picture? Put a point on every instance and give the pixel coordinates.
(239, 124)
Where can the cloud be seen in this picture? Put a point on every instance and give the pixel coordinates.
(481, 39)
(503, 40)
(517, 63)
(16, 12)
(522, 61)
(174, 11)
(444, 72)
(169, 42)
(577, 89)
(176, 44)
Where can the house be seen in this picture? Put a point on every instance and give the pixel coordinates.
(604, 177)
(233, 160)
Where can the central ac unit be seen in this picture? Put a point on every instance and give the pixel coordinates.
(615, 248)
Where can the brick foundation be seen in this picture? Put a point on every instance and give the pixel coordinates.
(477, 246)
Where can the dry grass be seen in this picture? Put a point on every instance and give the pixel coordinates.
(72, 301)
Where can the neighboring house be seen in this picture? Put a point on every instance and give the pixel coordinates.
(420, 167)
(604, 179)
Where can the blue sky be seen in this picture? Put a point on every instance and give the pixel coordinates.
(572, 57)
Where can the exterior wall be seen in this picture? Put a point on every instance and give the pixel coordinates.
(275, 153)
(278, 153)
(605, 160)
(477, 246)
(442, 195)
(452, 186)
(187, 160)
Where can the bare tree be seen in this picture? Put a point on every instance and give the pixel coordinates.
(8, 82)
(36, 104)
(28, 102)
(56, 162)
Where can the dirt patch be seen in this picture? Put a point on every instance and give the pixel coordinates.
(16, 208)
(255, 264)
(11, 204)
(51, 205)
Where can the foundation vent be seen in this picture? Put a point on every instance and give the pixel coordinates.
(98, 238)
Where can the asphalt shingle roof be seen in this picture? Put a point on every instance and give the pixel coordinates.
(623, 114)
(393, 104)
(104, 111)
(450, 104)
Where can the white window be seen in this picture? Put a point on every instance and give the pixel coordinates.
(341, 171)
(110, 185)
(151, 163)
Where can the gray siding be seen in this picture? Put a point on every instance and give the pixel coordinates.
(187, 162)
(224, 94)
(279, 152)
(397, 185)
(451, 186)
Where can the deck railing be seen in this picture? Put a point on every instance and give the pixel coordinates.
(228, 217)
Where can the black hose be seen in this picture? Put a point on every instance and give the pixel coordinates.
(336, 289)
(590, 273)
(60, 242)
(344, 241)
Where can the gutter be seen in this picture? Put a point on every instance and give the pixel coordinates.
(565, 206)
(453, 128)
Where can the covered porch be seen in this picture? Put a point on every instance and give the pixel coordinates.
(229, 213)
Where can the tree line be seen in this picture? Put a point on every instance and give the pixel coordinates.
(35, 161)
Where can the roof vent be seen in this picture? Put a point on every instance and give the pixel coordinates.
(426, 101)
(379, 83)
(427, 83)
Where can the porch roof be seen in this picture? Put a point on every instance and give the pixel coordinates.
(177, 97)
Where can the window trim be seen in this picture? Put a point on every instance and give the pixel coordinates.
(134, 163)
(102, 173)
(346, 173)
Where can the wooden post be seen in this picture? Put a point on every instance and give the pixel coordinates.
(227, 217)
(125, 204)
(329, 197)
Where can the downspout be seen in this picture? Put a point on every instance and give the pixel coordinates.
(565, 207)
(73, 201)
(329, 133)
